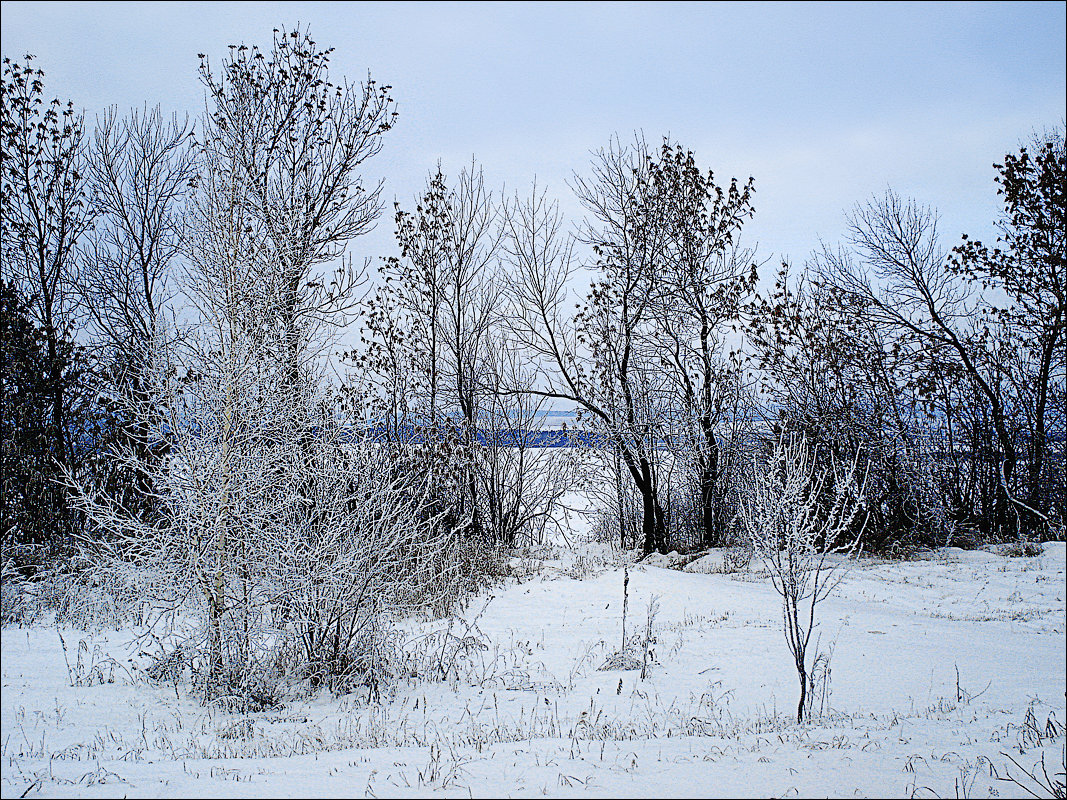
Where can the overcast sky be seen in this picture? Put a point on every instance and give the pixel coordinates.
(824, 104)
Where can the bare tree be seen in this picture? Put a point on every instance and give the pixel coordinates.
(45, 213)
(140, 168)
(444, 281)
(605, 357)
(295, 142)
(523, 472)
(277, 194)
(230, 363)
(1029, 264)
(905, 284)
(431, 325)
(268, 524)
(704, 280)
(801, 520)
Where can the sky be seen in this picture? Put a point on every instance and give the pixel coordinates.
(824, 104)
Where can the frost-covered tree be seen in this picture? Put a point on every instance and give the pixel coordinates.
(803, 521)
(604, 358)
(279, 540)
(278, 523)
(295, 142)
(704, 278)
(44, 213)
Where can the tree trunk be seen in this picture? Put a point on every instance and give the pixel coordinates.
(709, 502)
(708, 472)
(653, 528)
(1037, 448)
(652, 523)
(62, 538)
(215, 664)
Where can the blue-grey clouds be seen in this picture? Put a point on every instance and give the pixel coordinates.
(823, 103)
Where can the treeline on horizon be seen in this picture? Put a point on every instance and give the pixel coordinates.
(937, 367)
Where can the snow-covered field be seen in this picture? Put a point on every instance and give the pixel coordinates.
(945, 674)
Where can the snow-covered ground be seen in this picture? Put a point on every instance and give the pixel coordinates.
(945, 674)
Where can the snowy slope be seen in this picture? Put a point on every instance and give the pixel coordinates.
(941, 670)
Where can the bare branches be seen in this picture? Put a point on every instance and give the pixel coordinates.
(598, 358)
(140, 168)
(449, 370)
(905, 283)
(800, 520)
(45, 212)
(522, 482)
(444, 286)
(644, 355)
(541, 260)
(903, 280)
(293, 142)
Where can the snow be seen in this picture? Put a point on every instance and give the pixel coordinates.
(937, 666)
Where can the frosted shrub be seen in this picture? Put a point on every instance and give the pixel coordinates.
(367, 552)
(282, 530)
(13, 608)
(802, 521)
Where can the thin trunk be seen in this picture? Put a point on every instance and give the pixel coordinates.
(1037, 455)
(217, 587)
(58, 416)
(653, 529)
(619, 489)
(708, 468)
(652, 523)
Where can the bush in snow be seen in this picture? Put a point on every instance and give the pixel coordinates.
(801, 520)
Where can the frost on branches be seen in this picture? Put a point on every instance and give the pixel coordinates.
(804, 522)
